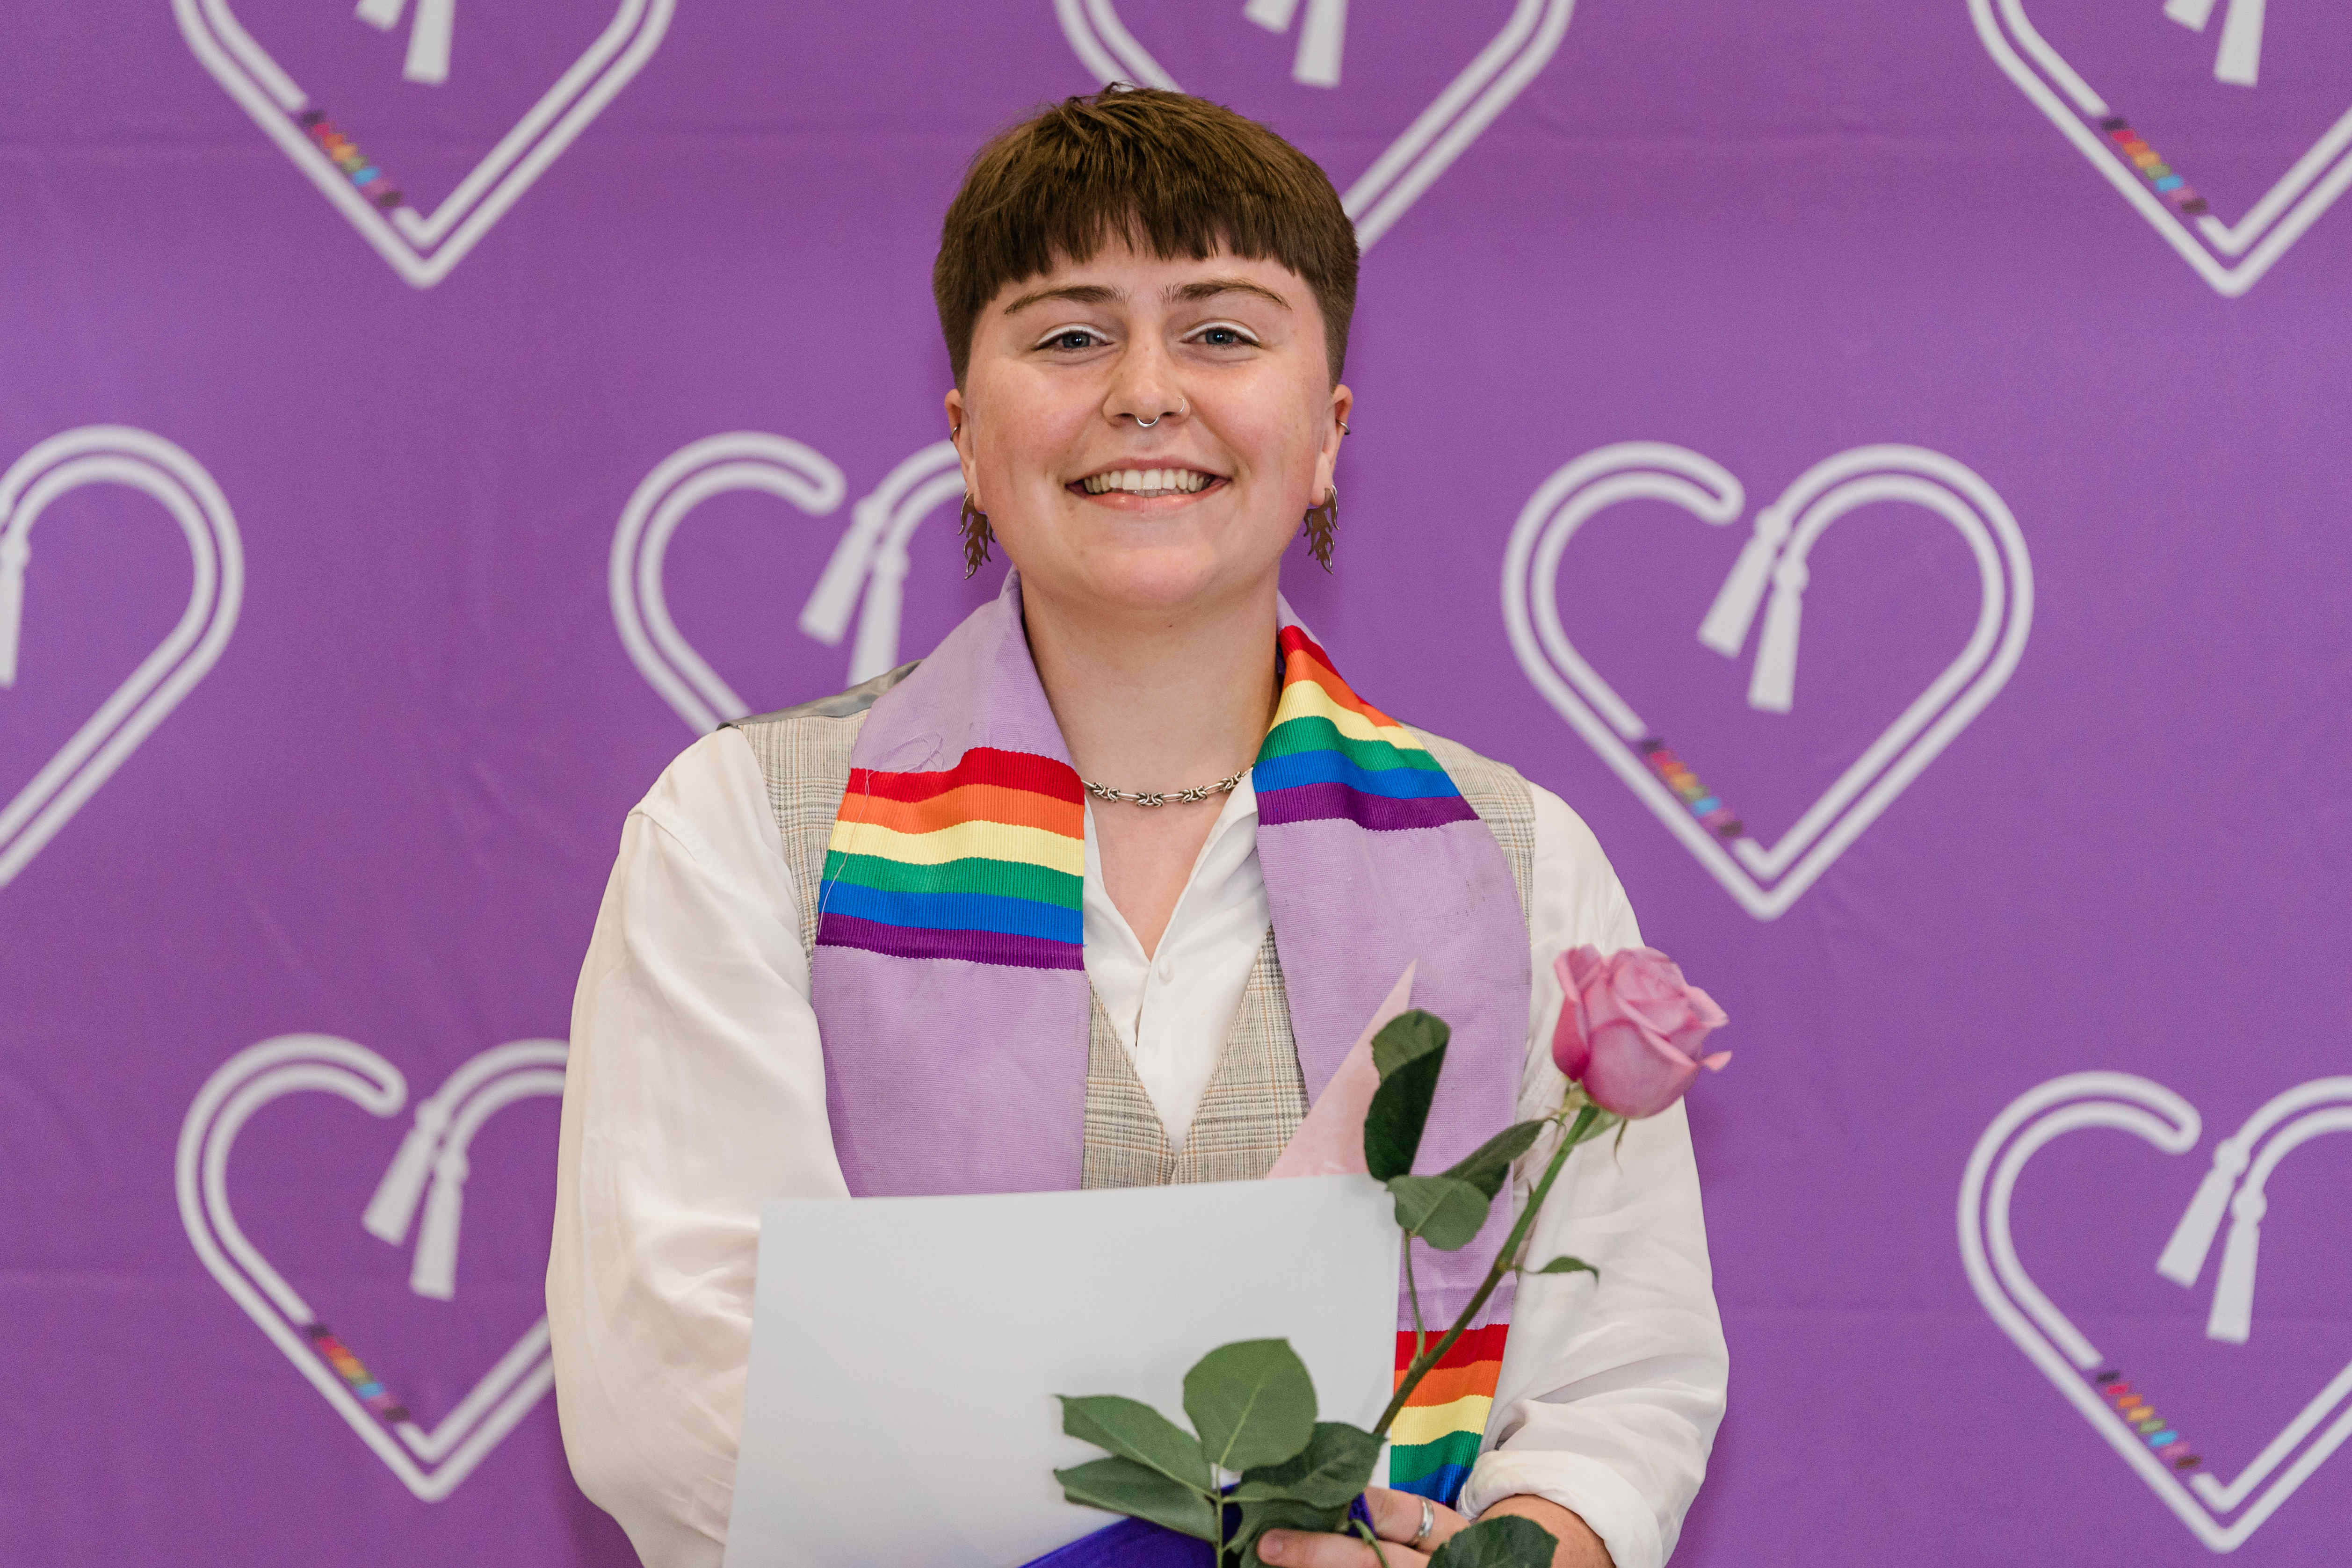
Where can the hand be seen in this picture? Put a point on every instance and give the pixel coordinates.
(1396, 1516)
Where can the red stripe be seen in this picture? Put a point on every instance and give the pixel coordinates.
(1475, 1345)
(1294, 639)
(981, 764)
(1312, 663)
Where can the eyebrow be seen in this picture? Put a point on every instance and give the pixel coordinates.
(1185, 293)
(1210, 288)
(1077, 293)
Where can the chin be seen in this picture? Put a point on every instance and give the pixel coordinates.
(1159, 578)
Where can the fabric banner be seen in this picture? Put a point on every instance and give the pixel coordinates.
(1881, 462)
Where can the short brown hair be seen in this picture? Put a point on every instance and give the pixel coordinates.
(1175, 174)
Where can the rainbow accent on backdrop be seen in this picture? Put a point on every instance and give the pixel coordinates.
(353, 1372)
(1331, 754)
(2152, 167)
(1436, 1437)
(357, 167)
(985, 862)
(2154, 1431)
(1705, 803)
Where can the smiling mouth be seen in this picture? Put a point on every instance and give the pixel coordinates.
(1148, 484)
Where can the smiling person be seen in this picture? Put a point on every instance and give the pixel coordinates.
(1100, 892)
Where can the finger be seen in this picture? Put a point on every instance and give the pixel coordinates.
(1300, 1549)
(1396, 1515)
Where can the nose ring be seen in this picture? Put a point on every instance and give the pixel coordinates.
(1147, 423)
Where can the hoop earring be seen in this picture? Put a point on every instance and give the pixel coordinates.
(976, 535)
(1322, 522)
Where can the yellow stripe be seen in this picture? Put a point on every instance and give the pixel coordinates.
(1305, 699)
(1417, 1424)
(965, 841)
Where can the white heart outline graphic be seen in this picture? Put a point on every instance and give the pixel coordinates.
(1765, 882)
(2261, 237)
(869, 562)
(1437, 136)
(2032, 1321)
(430, 1464)
(116, 454)
(423, 249)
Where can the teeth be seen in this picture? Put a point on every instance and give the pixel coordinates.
(1148, 482)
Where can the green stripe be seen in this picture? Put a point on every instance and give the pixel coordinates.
(1411, 1461)
(1313, 732)
(975, 873)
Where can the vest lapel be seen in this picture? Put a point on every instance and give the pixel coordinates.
(1253, 1102)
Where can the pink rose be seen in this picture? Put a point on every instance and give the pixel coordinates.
(1631, 1028)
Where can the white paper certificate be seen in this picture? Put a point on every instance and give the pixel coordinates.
(906, 1350)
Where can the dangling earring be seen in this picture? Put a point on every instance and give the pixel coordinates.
(976, 536)
(1322, 522)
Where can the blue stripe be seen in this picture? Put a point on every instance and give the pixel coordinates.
(954, 912)
(1337, 768)
(1442, 1485)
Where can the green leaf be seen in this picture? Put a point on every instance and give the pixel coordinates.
(1486, 1167)
(1507, 1541)
(1567, 1265)
(1281, 1514)
(1134, 1430)
(1444, 1211)
(1399, 1111)
(1412, 1034)
(1122, 1486)
(1252, 1402)
(1328, 1473)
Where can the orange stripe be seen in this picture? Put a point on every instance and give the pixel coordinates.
(968, 803)
(1302, 665)
(1445, 1384)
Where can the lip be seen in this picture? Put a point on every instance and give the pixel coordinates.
(1148, 505)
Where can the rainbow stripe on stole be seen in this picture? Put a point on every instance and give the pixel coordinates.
(1331, 754)
(1435, 1439)
(985, 860)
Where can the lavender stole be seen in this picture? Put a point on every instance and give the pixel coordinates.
(948, 976)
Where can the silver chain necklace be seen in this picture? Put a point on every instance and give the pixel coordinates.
(1165, 797)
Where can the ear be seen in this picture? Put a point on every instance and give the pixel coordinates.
(960, 433)
(1327, 462)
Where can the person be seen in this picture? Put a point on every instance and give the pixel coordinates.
(1100, 892)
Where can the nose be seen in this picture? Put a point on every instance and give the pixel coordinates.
(1145, 388)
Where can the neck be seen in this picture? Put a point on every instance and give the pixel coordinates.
(1153, 702)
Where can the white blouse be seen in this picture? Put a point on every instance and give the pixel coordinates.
(695, 1092)
(1172, 1008)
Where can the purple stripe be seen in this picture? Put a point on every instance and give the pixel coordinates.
(1324, 802)
(973, 946)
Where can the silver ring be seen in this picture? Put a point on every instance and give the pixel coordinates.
(1142, 424)
(1428, 1522)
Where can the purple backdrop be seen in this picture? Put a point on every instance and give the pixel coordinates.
(393, 533)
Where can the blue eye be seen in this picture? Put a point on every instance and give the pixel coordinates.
(1223, 338)
(1076, 337)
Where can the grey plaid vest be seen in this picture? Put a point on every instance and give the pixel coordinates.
(1256, 1097)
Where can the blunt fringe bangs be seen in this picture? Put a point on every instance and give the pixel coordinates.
(1167, 173)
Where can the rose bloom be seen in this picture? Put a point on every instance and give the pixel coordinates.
(1631, 1028)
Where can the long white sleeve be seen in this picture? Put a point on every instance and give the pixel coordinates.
(696, 1092)
(1610, 1388)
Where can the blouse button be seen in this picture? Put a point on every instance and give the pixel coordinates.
(1165, 969)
